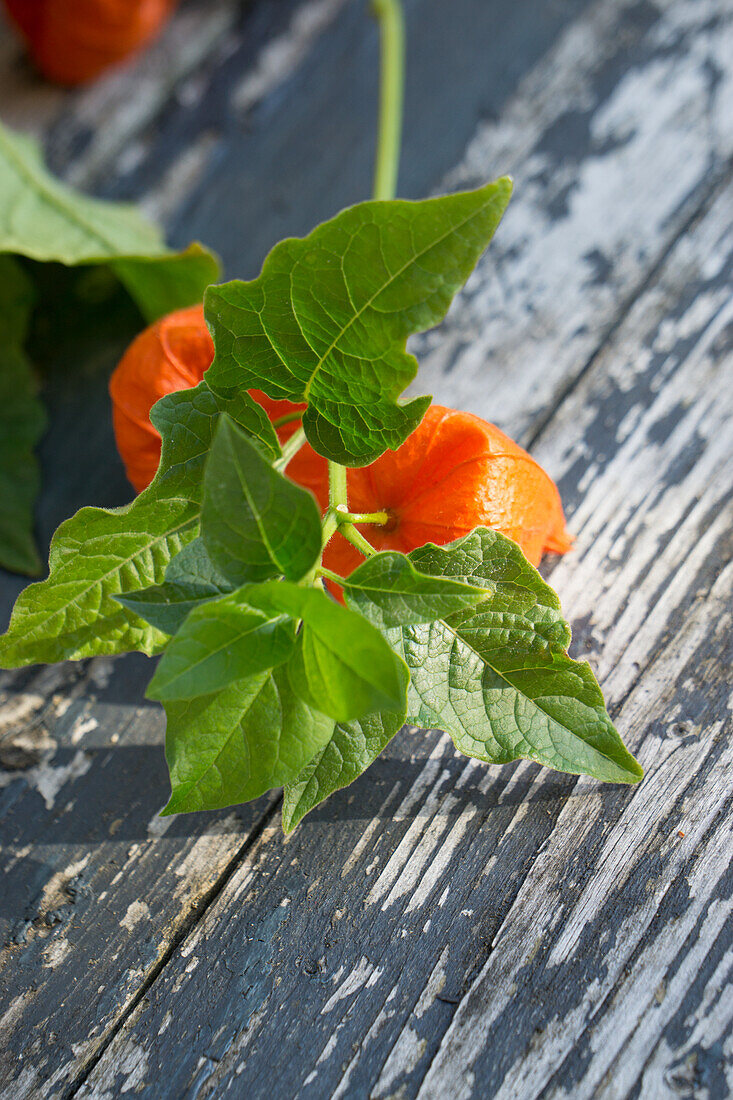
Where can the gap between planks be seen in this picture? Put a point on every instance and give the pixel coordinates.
(181, 934)
(465, 1038)
(234, 857)
(705, 199)
(668, 772)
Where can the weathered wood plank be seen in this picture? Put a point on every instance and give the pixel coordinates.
(613, 141)
(96, 887)
(84, 813)
(371, 921)
(270, 168)
(606, 944)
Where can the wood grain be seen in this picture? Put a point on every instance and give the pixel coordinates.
(98, 891)
(614, 140)
(575, 903)
(440, 928)
(618, 950)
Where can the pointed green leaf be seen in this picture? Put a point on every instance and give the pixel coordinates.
(190, 580)
(194, 566)
(100, 553)
(341, 665)
(167, 606)
(45, 219)
(22, 421)
(187, 421)
(352, 747)
(389, 591)
(327, 320)
(255, 523)
(498, 678)
(95, 555)
(221, 641)
(231, 747)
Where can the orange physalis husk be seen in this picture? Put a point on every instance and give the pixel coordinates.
(72, 43)
(173, 354)
(455, 472)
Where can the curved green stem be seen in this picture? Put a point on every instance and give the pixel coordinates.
(388, 14)
(287, 418)
(356, 539)
(290, 449)
(329, 575)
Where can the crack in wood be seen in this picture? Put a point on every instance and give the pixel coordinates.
(454, 861)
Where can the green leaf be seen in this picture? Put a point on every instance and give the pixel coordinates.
(44, 219)
(255, 523)
(221, 641)
(498, 678)
(167, 606)
(194, 566)
(190, 580)
(99, 554)
(162, 284)
(95, 555)
(22, 421)
(389, 591)
(341, 665)
(231, 747)
(352, 747)
(186, 421)
(327, 320)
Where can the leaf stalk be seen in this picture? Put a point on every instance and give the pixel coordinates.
(352, 535)
(329, 574)
(290, 449)
(338, 490)
(379, 518)
(288, 418)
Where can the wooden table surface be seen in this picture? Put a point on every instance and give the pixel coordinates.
(441, 929)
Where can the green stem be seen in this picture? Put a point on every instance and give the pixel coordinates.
(338, 490)
(290, 449)
(329, 575)
(381, 518)
(357, 539)
(388, 14)
(330, 523)
(288, 418)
